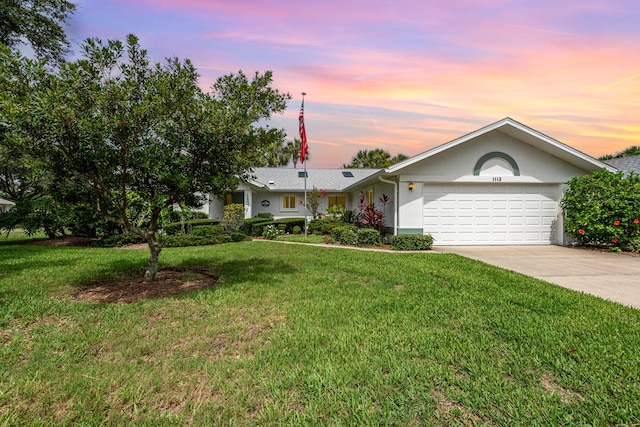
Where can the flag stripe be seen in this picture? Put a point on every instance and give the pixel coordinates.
(303, 134)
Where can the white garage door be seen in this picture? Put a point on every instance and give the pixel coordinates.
(498, 214)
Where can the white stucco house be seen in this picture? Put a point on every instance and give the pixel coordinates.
(499, 185)
(5, 205)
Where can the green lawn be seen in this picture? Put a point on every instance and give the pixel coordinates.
(300, 335)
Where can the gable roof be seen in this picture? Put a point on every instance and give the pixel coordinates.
(523, 133)
(286, 179)
(626, 164)
(6, 202)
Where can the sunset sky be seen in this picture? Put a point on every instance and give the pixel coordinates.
(407, 75)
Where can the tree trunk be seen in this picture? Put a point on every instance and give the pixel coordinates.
(152, 266)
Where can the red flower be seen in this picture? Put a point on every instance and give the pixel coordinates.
(614, 240)
(581, 231)
(616, 223)
(636, 221)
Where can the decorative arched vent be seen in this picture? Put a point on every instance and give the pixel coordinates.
(493, 155)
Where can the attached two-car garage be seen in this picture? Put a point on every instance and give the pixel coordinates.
(492, 214)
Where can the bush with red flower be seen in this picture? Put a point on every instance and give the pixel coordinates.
(603, 209)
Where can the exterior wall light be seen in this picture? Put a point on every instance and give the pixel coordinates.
(410, 186)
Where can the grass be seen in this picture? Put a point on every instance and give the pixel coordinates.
(14, 237)
(294, 335)
(301, 238)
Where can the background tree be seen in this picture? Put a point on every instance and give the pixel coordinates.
(38, 23)
(143, 137)
(293, 149)
(274, 153)
(634, 150)
(373, 159)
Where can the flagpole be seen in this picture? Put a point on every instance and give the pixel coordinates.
(306, 210)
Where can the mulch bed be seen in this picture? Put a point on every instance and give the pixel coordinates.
(131, 287)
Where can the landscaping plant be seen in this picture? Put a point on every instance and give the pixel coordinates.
(603, 209)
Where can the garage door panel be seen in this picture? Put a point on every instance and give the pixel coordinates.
(491, 214)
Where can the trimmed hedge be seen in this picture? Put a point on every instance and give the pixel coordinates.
(180, 240)
(346, 235)
(176, 227)
(118, 240)
(368, 237)
(248, 224)
(411, 242)
(285, 224)
(325, 225)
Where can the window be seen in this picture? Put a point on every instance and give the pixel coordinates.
(337, 200)
(289, 203)
(370, 197)
(237, 197)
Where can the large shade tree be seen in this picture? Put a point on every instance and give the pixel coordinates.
(143, 137)
(38, 24)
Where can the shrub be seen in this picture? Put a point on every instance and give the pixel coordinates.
(270, 232)
(346, 234)
(348, 216)
(411, 242)
(248, 223)
(369, 237)
(117, 240)
(369, 216)
(602, 209)
(239, 237)
(172, 215)
(297, 229)
(324, 226)
(265, 215)
(176, 227)
(314, 198)
(289, 223)
(207, 231)
(191, 240)
(233, 217)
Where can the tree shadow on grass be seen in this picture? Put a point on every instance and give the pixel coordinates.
(127, 285)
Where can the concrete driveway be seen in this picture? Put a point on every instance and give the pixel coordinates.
(611, 276)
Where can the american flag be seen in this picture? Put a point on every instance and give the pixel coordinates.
(303, 134)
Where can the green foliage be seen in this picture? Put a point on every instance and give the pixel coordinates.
(373, 159)
(233, 217)
(336, 211)
(368, 237)
(314, 199)
(411, 242)
(240, 237)
(297, 229)
(633, 150)
(177, 227)
(38, 22)
(324, 225)
(346, 234)
(208, 230)
(285, 225)
(117, 240)
(139, 137)
(248, 223)
(193, 240)
(603, 209)
(170, 215)
(349, 216)
(263, 215)
(270, 231)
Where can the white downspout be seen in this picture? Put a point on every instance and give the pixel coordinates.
(397, 211)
